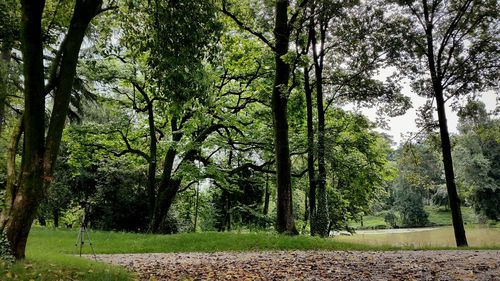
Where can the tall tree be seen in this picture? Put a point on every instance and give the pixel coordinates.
(338, 32)
(456, 46)
(40, 151)
(285, 221)
(283, 27)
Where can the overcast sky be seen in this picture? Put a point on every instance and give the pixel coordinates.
(405, 124)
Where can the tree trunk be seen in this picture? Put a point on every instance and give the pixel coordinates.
(84, 12)
(197, 206)
(4, 77)
(267, 195)
(285, 221)
(55, 214)
(454, 200)
(152, 159)
(17, 218)
(168, 187)
(310, 152)
(39, 156)
(322, 218)
(165, 199)
(227, 221)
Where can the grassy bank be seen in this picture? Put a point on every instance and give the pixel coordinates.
(438, 216)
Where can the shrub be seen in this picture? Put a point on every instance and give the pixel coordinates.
(5, 252)
(391, 219)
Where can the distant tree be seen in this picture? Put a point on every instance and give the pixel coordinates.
(477, 150)
(359, 168)
(451, 49)
(410, 204)
(440, 198)
(391, 218)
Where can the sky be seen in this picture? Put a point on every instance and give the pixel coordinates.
(405, 124)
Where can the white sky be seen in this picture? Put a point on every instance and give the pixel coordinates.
(405, 124)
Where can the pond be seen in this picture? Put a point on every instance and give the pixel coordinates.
(477, 236)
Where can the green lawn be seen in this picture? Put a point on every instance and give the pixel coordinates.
(437, 216)
(49, 258)
(441, 216)
(50, 252)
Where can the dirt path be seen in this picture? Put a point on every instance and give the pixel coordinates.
(314, 265)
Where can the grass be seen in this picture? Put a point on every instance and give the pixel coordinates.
(441, 216)
(53, 266)
(438, 216)
(50, 252)
(107, 242)
(478, 236)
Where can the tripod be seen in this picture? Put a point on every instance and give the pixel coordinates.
(80, 239)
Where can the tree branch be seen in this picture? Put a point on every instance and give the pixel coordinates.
(245, 27)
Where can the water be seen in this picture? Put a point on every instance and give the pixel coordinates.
(477, 236)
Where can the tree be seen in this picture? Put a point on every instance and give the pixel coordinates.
(477, 150)
(455, 49)
(285, 222)
(359, 169)
(409, 202)
(40, 151)
(337, 32)
(283, 27)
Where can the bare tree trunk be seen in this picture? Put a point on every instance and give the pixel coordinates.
(322, 217)
(310, 152)
(55, 214)
(267, 195)
(454, 199)
(17, 218)
(285, 221)
(153, 149)
(197, 206)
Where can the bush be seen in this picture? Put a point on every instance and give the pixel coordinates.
(440, 198)
(410, 205)
(5, 252)
(391, 219)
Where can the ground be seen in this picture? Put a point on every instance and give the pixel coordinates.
(314, 265)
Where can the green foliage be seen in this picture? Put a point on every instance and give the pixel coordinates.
(360, 169)
(5, 251)
(240, 204)
(9, 23)
(440, 198)
(410, 204)
(464, 46)
(477, 153)
(391, 219)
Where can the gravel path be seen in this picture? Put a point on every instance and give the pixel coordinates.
(314, 265)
